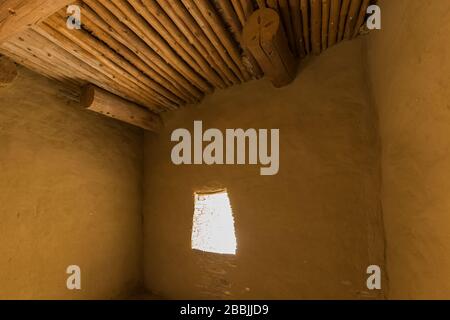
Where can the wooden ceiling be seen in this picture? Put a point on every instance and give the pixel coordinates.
(162, 54)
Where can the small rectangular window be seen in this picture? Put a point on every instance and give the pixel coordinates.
(213, 225)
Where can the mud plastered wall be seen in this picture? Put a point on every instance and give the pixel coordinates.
(310, 231)
(409, 68)
(70, 194)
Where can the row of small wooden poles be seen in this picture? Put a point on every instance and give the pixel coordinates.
(165, 53)
(188, 51)
(312, 26)
(161, 54)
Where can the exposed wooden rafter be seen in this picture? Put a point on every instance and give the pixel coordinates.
(109, 105)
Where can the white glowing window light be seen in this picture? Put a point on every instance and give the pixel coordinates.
(213, 227)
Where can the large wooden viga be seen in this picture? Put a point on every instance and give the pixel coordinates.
(264, 37)
(101, 101)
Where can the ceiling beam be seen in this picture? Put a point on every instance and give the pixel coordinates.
(101, 101)
(17, 15)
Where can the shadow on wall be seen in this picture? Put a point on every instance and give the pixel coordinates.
(409, 68)
(70, 194)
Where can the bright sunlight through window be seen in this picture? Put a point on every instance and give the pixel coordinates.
(213, 227)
